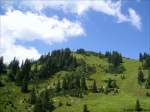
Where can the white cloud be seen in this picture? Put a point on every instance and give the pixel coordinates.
(135, 18)
(16, 25)
(108, 7)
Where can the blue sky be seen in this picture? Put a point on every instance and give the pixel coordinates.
(105, 25)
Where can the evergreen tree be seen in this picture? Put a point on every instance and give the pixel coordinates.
(94, 87)
(58, 86)
(33, 96)
(85, 109)
(26, 68)
(24, 86)
(83, 83)
(14, 67)
(2, 66)
(138, 106)
(140, 57)
(140, 76)
(38, 105)
(47, 102)
(64, 84)
(147, 86)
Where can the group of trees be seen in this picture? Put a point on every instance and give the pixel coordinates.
(115, 62)
(55, 61)
(2, 69)
(145, 59)
(111, 86)
(42, 102)
(74, 85)
(141, 78)
(20, 74)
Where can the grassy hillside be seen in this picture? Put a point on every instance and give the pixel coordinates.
(13, 100)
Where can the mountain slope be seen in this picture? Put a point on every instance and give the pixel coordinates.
(129, 90)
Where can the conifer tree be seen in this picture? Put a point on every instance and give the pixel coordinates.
(94, 87)
(140, 76)
(83, 83)
(38, 105)
(138, 106)
(85, 109)
(33, 96)
(147, 86)
(58, 86)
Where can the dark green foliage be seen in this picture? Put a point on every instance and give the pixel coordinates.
(94, 87)
(138, 106)
(147, 86)
(146, 63)
(1, 84)
(83, 83)
(2, 66)
(24, 86)
(14, 67)
(33, 96)
(140, 76)
(107, 54)
(64, 84)
(26, 68)
(44, 103)
(111, 84)
(85, 109)
(145, 59)
(140, 57)
(115, 62)
(81, 51)
(38, 105)
(115, 59)
(19, 77)
(58, 86)
(47, 102)
(56, 61)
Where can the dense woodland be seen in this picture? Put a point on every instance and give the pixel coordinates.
(75, 81)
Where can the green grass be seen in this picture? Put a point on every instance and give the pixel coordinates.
(129, 91)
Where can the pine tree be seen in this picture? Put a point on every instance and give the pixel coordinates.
(138, 106)
(33, 96)
(140, 76)
(38, 105)
(19, 77)
(147, 86)
(2, 66)
(47, 102)
(85, 109)
(14, 67)
(58, 86)
(24, 86)
(64, 84)
(83, 83)
(94, 87)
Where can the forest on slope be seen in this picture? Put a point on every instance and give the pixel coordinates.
(76, 81)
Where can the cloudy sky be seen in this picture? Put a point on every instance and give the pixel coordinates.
(29, 28)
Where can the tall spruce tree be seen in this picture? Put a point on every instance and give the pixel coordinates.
(26, 68)
(83, 83)
(33, 96)
(2, 66)
(94, 87)
(58, 86)
(140, 76)
(38, 105)
(138, 106)
(85, 109)
(14, 67)
(147, 85)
